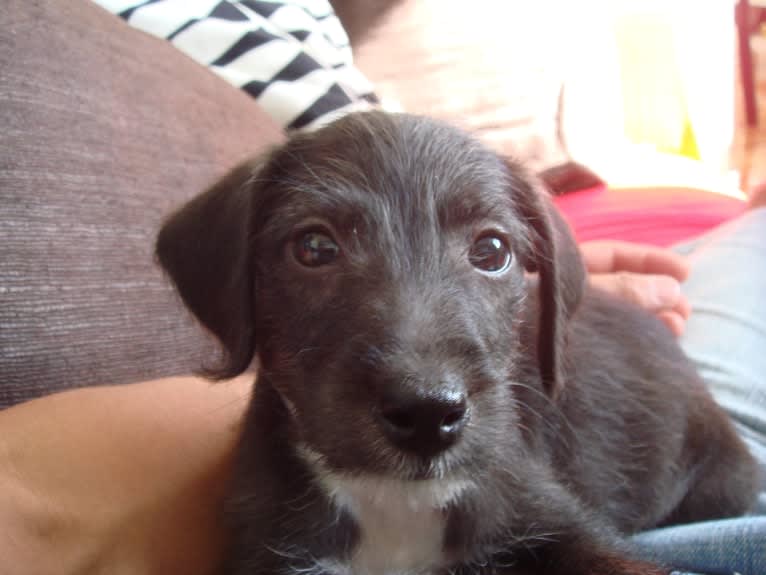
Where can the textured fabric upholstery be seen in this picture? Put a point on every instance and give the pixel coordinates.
(103, 131)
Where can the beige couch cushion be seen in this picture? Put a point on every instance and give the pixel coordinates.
(494, 68)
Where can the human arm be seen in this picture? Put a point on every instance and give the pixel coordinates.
(125, 479)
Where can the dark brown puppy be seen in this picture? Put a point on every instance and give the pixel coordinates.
(438, 390)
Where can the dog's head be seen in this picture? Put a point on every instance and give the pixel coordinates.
(379, 269)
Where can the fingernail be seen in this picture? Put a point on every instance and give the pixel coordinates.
(666, 291)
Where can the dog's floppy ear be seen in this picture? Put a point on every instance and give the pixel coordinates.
(555, 257)
(205, 249)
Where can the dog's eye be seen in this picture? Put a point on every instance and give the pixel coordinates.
(314, 249)
(490, 254)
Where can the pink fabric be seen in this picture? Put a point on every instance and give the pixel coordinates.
(652, 216)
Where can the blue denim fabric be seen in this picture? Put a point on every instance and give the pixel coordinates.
(726, 333)
(726, 338)
(713, 548)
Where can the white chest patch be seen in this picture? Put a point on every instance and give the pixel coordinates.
(401, 522)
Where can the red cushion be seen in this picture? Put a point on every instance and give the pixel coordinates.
(652, 216)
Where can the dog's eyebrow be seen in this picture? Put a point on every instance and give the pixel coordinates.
(299, 201)
(340, 201)
(470, 206)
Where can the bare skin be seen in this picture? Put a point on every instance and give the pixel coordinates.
(649, 276)
(124, 479)
(757, 196)
(129, 479)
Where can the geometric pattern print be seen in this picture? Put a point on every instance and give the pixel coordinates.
(293, 57)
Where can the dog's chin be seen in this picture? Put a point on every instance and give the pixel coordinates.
(389, 464)
(442, 466)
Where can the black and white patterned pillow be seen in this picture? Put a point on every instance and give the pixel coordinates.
(292, 56)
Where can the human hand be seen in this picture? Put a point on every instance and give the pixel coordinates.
(646, 275)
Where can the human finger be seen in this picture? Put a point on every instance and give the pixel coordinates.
(618, 256)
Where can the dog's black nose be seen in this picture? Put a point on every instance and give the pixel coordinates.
(424, 425)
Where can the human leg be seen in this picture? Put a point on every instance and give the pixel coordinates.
(726, 338)
(712, 547)
(726, 331)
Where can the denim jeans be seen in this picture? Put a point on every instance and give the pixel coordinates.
(714, 548)
(726, 338)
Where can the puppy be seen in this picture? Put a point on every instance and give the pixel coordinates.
(439, 391)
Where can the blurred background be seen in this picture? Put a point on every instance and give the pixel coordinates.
(645, 92)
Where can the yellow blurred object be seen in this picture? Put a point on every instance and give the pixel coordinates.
(689, 146)
(654, 98)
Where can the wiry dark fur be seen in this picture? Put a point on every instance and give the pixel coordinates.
(587, 421)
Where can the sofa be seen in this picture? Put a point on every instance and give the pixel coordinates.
(103, 131)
